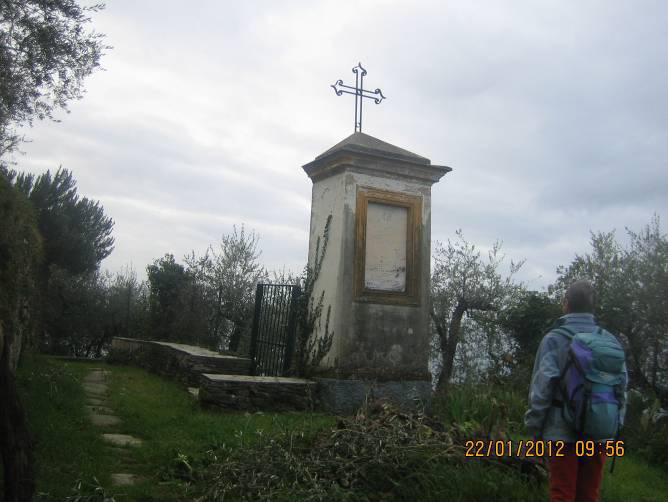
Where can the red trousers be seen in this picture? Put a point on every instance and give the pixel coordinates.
(575, 479)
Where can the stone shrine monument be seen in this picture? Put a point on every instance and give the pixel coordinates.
(373, 278)
(376, 270)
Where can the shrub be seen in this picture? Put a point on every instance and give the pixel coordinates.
(646, 427)
(489, 408)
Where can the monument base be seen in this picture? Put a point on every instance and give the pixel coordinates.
(345, 397)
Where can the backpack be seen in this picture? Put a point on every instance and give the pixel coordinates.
(592, 384)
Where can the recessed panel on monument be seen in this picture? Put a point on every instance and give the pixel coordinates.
(386, 255)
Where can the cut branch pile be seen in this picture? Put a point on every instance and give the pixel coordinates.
(370, 453)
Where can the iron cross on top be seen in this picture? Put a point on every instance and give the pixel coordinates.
(359, 92)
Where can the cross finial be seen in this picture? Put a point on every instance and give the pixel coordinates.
(359, 92)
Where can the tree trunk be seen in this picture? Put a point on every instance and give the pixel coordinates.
(235, 338)
(449, 347)
(655, 360)
(635, 361)
(217, 320)
(15, 442)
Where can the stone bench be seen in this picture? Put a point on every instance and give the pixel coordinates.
(186, 363)
(256, 392)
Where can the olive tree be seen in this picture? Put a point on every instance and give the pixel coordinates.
(631, 284)
(20, 253)
(233, 271)
(46, 53)
(463, 283)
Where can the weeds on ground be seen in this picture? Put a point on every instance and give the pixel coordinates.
(89, 492)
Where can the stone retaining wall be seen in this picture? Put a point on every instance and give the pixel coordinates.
(224, 381)
(186, 363)
(256, 393)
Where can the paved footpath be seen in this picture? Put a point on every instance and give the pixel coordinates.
(101, 414)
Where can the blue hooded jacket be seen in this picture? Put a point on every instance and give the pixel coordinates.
(544, 418)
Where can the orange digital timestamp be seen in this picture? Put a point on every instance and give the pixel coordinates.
(541, 448)
(509, 448)
(591, 448)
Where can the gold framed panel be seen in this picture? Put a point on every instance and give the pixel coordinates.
(413, 205)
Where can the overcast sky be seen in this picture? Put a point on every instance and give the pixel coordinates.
(552, 114)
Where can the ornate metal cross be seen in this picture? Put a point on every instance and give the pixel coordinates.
(359, 92)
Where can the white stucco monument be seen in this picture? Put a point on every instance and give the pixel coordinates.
(375, 273)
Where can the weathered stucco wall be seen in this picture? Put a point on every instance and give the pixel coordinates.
(327, 198)
(385, 341)
(380, 333)
(381, 340)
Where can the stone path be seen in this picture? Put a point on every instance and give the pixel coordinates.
(101, 414)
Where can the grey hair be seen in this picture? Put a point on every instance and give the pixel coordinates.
(580, 296)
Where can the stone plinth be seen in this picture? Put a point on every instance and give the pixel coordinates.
(344, 396)
(236, 392)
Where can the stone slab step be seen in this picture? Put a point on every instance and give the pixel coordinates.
(124, 479)
(240, 392)
(122, 440)
(97, 409)
(96, 389)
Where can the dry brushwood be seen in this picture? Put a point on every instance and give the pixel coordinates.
(370, 452)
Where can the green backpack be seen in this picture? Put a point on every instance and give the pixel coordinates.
(592, 384)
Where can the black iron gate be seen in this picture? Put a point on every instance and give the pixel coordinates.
(274, 323)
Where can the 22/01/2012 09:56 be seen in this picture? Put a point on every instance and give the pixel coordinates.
(540, 448)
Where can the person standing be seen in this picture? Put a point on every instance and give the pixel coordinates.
(553, 400)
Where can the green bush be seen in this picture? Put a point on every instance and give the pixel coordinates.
(643, 432)
(486, 409)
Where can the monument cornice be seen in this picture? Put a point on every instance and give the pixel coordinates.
(374, 164)
(368, 154)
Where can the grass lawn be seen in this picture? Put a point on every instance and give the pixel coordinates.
(67, 446)
(634, 480)
(177, 434)
(163, 414)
